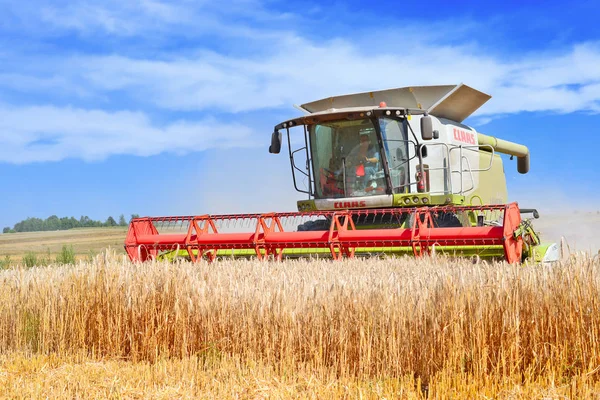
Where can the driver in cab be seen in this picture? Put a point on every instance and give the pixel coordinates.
(365, 158)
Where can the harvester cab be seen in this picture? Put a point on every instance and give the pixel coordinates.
(417, 151)
(385, 172)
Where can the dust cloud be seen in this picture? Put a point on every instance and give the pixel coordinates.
(580, 229)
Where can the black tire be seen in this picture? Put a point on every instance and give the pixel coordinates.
(316, 225)
(446, 220)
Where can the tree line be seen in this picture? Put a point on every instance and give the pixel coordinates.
(53, 223)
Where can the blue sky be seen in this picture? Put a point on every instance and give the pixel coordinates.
(164, 108)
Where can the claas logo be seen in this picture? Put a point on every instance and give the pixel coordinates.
(464, 136)
(349, 204)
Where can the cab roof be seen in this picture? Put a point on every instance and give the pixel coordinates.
(454, 102)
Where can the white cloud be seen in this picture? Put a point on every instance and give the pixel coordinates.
(257, 60)
(139, 18)
(298, 70)
(113, 17)
(37, 134)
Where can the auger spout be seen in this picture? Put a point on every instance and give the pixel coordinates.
(510, 148)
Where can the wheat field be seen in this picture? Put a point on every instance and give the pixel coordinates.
(84, 241)
(362, 328)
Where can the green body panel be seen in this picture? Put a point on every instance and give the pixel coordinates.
(492, 183)
(539, 251)
(426, 199)
(306, 205)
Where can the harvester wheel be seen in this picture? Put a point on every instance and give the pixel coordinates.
(446, 220)
(316, 225)
(377, 221)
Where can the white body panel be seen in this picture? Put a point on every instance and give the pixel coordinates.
(452, 160)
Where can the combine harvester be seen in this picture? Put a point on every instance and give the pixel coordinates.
(386, 172)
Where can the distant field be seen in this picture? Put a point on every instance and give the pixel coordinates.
(85, 241)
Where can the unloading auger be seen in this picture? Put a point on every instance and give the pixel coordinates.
(385, 172)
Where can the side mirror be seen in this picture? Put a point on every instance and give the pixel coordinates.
(275, 146)
(426, 127)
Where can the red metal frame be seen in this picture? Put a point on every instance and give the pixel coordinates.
(268, 238)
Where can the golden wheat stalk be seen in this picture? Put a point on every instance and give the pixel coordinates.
(358, 318)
